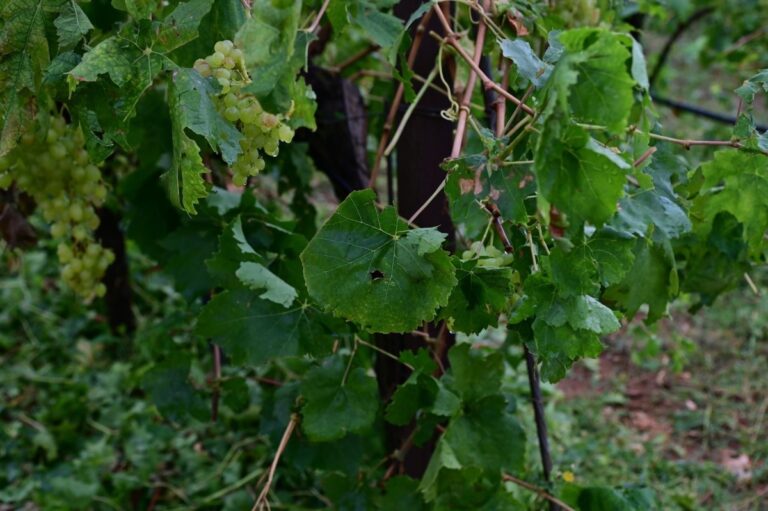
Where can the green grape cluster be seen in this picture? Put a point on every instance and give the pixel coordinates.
(263, 131)
(53, 167)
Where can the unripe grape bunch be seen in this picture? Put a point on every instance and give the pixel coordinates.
(53, 167)
(263, 131)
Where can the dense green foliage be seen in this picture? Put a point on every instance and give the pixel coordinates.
(574, 215)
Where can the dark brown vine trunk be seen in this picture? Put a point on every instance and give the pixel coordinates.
(119, 297)
(425, 142)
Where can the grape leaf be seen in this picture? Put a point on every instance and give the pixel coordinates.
(192, 107)
(257, 277)
(418, 391)
(336, 406)
(253, 330)
(479, 297)
(401, 494)
(112, 57)
(487, 436)
(234, 250)
(268, 41)
(586, 313)
(744, 180)
(23, 57)
(442, 457)
(639, 69)
(640, 210)
(185, 250)
(170, 390)
(383, 29)
(528, 63)
(582, 178)
(718, 264)
(593, 75)
(181, 25)
(184, 181)
(557, 347)
(71, 25)
(612, 254)
(368, 267)
(475, 374)
(574, 272)
(650, 281)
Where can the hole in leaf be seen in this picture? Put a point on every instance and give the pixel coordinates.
(377, 275)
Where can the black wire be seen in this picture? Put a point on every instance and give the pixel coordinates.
(701, 112)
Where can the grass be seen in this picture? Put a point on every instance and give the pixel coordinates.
(681, 409)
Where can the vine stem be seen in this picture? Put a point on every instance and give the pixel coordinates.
(461, 125)
(451, 39)
(501, 104)
(385, 353)
(688, 143)
(681, 28)
(427, 202)
(685, 142)
(538, 413)
(398, 98)
(411, 108)
(316, 21)
(217, 379)
(498, 225)
(341, 66)
(261, 501)
(541, 492)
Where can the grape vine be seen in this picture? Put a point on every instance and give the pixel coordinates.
(537, 202)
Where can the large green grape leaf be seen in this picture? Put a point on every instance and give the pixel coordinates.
(267, 39)
(592, 78)
(583, 178)
(718, 264)
(184, 250)
(478, 298)
(253, 330)
(612, 254)
(257, 277)
(180, 27)
(71, 25)
(476, 374)
(337, 402)
(112, 56)
(638, 211)
(574, 271)
(420, 391)
(23, 57)
(184, 180)
(401, 494)
(487, 436)
(737, 182)
(528, 63)
(652, 281)
(234, 250)
(557, 347)
(368, 267)
(382, 28)
(222, 22)
(192, 107)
